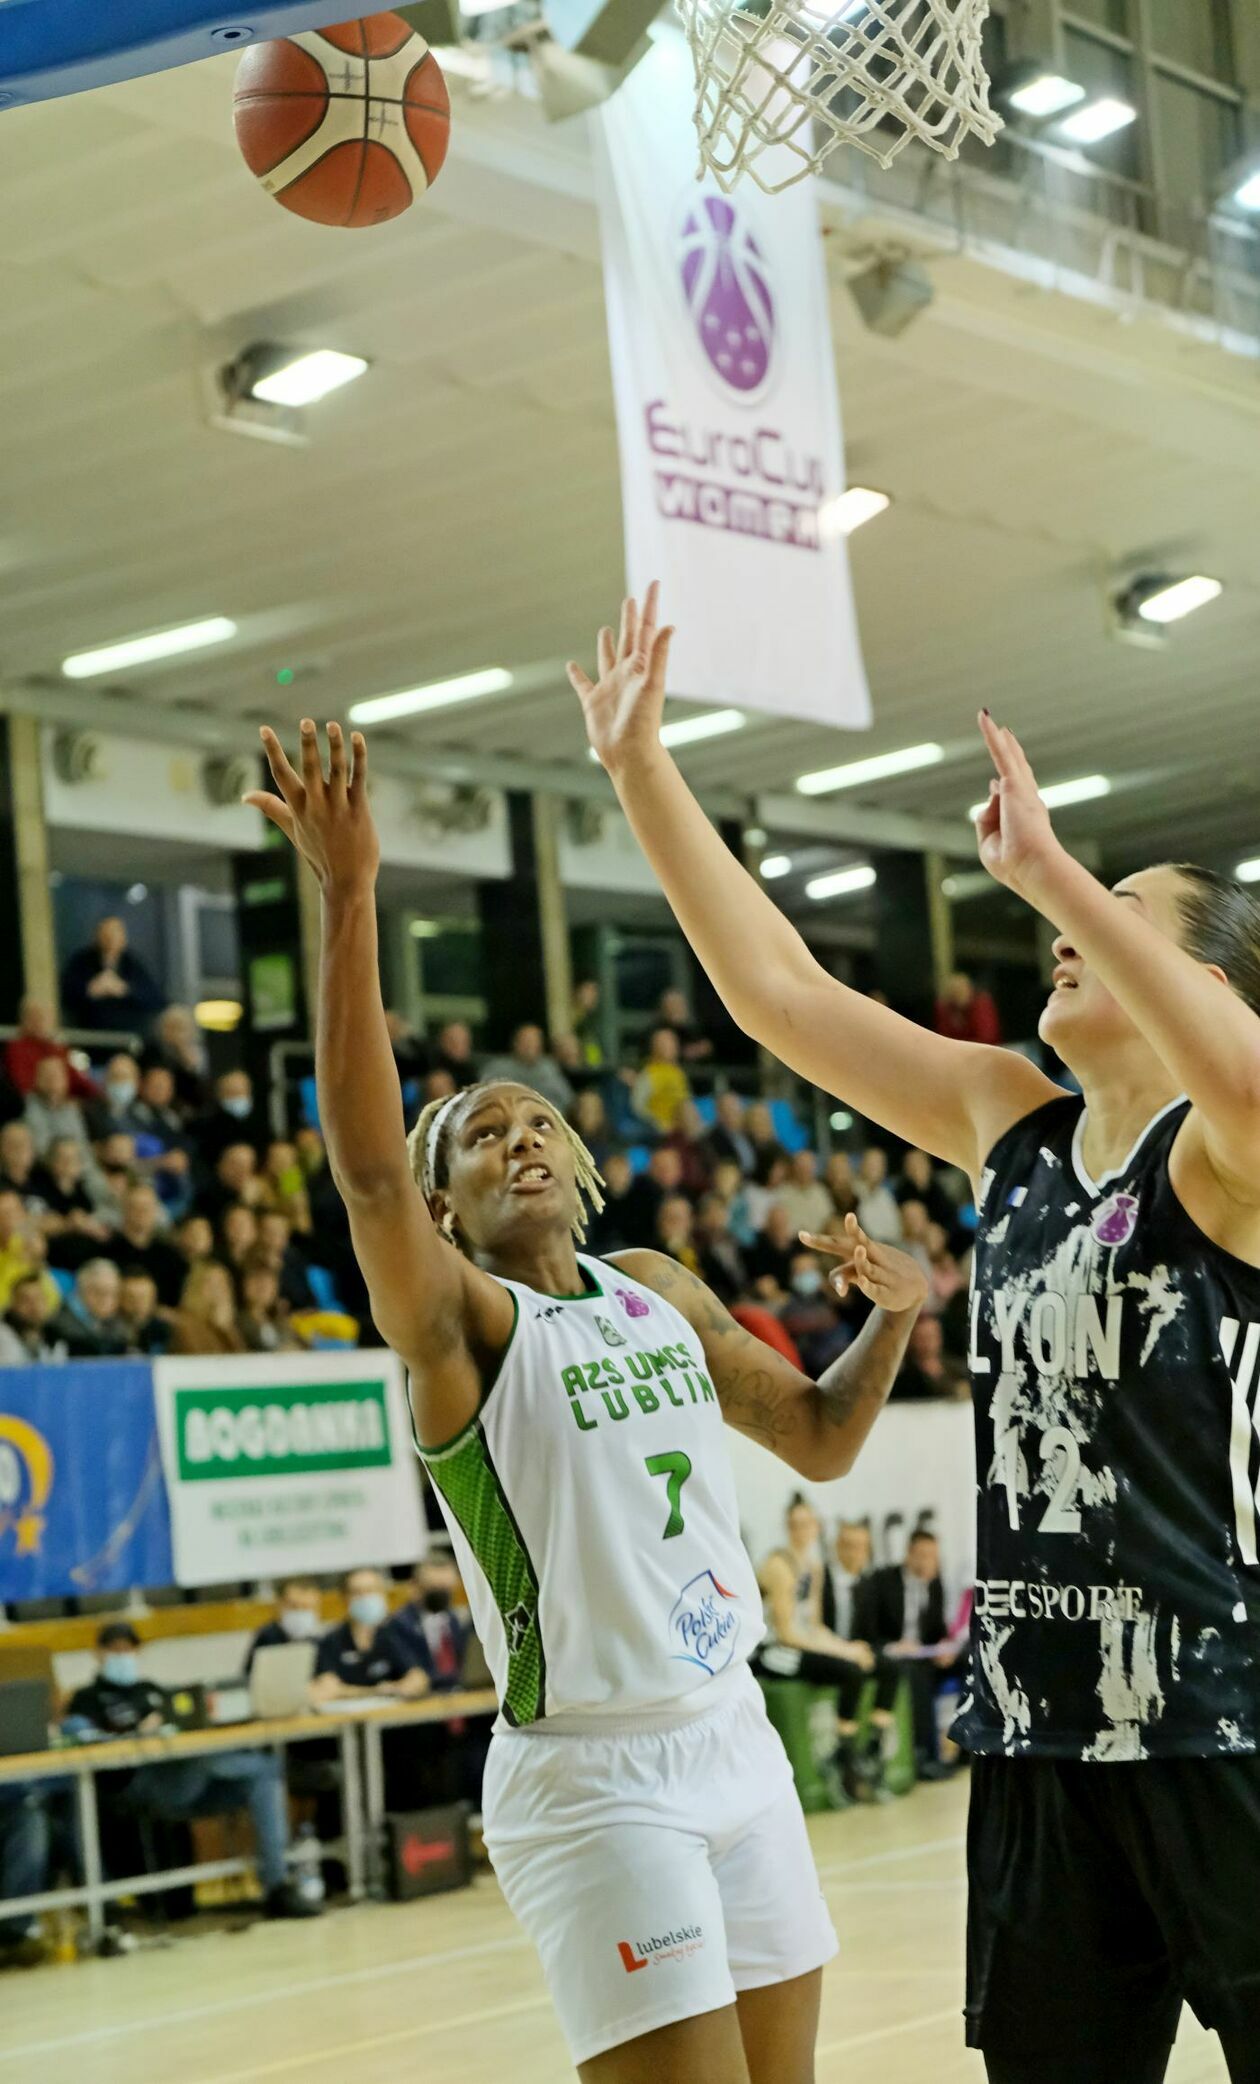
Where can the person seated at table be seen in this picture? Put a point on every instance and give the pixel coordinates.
(428, 1629)
(362, 1656)
(122, 1702)
(297, 1619)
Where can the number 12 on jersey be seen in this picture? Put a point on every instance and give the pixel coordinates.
(1062, 1515)
(675, 1468)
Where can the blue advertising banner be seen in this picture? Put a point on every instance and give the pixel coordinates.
(83, 1505)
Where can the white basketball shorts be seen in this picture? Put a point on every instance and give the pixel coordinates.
(658, 1870)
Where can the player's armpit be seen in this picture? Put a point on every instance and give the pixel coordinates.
(761, 1394)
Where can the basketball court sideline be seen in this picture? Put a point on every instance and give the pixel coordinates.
(450, 1986)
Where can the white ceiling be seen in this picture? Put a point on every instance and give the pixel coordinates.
(460, 506)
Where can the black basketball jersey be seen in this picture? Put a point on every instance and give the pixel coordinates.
(1114, 1355)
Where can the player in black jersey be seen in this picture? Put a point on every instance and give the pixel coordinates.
(1114, 1714)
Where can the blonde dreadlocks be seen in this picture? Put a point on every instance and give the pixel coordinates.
(428, 1148)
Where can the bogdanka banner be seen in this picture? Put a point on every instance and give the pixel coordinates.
(727, 413)
(304, 1463)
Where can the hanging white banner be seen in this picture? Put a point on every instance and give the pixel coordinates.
(727, 413)
(287, 1462)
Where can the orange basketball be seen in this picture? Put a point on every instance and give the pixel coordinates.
(347, 125)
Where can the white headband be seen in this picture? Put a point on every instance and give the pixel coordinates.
(431, 1140)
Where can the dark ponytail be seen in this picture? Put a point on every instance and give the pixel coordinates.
(1221, 924)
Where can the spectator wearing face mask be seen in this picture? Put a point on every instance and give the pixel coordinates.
(121, 1701)
(432, 1637)
(297, 1619)
(810, 1316)
(362, 1656)
(234, 1118)
(111, 1114)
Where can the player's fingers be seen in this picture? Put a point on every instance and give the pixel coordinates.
(832, 1246)
(607, 651)
(658, 658)
(285, 776)
(579, 681)
(648, 617)
(272, 807)
(358, 779)
(312, 765)
(627, 636)
(994, 739)
(338, 773)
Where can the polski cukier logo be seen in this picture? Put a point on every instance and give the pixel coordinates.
(726, 285)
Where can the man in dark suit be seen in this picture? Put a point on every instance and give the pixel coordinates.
(906, 1614)
(432, 1636)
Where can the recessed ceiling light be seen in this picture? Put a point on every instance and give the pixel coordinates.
(754, 836)
(1058, 794)
(1097, 120)
(715, 723)
(877, 768)
(842, 882)
(849, 510)
(437, 694)
(304, 379)
(424, 929)
(1248, 871)
(142, 651)
(1048, 94)
(1180, 597)
(776, 865)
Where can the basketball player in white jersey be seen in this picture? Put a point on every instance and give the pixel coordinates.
(1114, 1707)
(639, 1810)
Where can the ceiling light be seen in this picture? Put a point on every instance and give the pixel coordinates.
(842, 1119)
(843, 882)
(840, 516)
(141, 651)
(1178, 597)
(755, 837)
(1248, 871)
(776, 865)
(715, 723)
(1097, 120)
(877, 768)
(137, 893)
(304, 379)
(1247, 193)
(219, 1015)
(1046, 94)
(424, 929)
(1057, 795)
(437, 694)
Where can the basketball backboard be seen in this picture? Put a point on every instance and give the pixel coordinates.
(51, 47)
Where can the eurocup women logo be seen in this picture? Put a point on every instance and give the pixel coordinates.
(727, 289)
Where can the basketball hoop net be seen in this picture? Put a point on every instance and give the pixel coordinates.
(808, 76)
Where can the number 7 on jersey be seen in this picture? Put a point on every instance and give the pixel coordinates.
(675, 1468)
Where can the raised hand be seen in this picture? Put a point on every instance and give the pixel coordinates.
(1013, 832)
(325, 816)
(883, 1274)
(623, 708)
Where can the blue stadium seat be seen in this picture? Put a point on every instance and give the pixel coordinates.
(706, 1108)
(310, 1104)
(790, 1132)
(323, 1288)
(64, 1279)
(639, 1155)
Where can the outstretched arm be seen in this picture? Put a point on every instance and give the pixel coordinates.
(1207, 1037)
(951, 1098)
(817, 1428)
(442, 1316)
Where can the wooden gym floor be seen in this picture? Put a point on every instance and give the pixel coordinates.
(446, 1989)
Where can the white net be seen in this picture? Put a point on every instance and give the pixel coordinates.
(808, 77)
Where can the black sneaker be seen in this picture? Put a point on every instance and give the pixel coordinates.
(933, 1769)
(288, 1902)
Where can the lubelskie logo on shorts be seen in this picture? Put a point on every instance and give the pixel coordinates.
(665, 1946)
(704, 1624)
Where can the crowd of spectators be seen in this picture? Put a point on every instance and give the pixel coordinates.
(146, 1207)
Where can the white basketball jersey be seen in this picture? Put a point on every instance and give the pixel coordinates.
(592, 1508)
